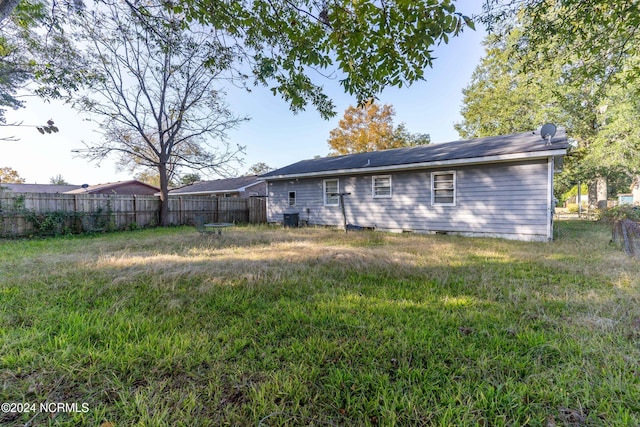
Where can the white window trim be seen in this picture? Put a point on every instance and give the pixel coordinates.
(295, 198)
(455, 188)
(373, 187)
(324, 192)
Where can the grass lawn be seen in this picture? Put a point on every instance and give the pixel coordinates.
(291, 327)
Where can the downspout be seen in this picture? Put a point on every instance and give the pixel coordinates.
(267, 204)
(550, 200)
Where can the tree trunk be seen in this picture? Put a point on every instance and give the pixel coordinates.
(593, 194)
(602, 192)
(164, 195)
(6, 7)
(598, 193)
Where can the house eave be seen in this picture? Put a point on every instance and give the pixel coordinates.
(424, 165)
(207, 193)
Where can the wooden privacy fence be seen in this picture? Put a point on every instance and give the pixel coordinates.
(48, 213)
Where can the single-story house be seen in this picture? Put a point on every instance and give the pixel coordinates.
(121, 187)
(38, 188)
(498, 186)
(244, 186)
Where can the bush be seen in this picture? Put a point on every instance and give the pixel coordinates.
(619, 213)
(574, 208)
(50, 223)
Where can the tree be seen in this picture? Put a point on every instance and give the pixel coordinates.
(368, 44)
(58, 180)
(36, 56)
(411, 139)
(190, 178)
(149, 176)
(370, 128)
(601, 36)
(158, 97)
(504, 98)
(259, 168)
(499, 100)
(8, 175)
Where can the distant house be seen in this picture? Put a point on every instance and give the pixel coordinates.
(120, 187)
(499, 186)
(37, 188)
(244, 186)
(625, 199)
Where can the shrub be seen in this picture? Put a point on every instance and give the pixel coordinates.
(574, 208)
(619, 213)
(52, 223)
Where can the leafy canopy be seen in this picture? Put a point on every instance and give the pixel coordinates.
(259, 169)
(367, 44)
(370, 128)
(568, 62)
(10, 175)
(597, 39)
(37, 57)
(58, 180)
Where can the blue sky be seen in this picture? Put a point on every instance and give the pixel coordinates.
(274, 134)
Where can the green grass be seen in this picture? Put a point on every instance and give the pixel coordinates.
(276, 327)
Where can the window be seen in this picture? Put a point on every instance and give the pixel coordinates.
(381, 186)
(292, 198)
(331, 190)
(443, 188)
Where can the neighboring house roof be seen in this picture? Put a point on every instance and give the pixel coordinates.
(219, 186)
(120, 187)
(38, 188)
(481, 150)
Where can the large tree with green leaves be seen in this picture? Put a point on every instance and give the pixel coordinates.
(36, 58)
(599, 40)
(499, 100)
(533, 73)
(368, 45)
(284, 44)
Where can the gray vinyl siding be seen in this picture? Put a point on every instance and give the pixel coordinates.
(498, 199)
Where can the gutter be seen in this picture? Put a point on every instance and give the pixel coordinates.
(208, 193)
(424, 165)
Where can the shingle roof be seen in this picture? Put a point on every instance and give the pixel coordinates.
(528, 143)
(111, 186)
(218, 186)
(38, 188)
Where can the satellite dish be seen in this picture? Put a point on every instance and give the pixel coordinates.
(548, 131)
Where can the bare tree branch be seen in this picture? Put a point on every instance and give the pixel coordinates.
(158, 98)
